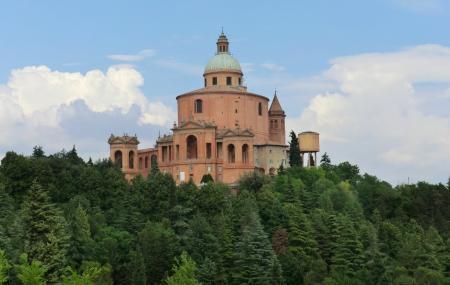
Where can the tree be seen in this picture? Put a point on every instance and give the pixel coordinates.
(254, 259)
(46, 238)
(325, 162)
(88, 277)
(184, 271)
(207, 178)
(138, 268)
(295, 158)
(32, 273)
(4, 268)
(348, 252)
(38, 152)
(81, 242)
(154, 166)
(158, 245)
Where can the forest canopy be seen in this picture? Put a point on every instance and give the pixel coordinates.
(64, 220)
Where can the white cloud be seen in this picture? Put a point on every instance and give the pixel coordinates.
(376, 118)
(143, 54)
(42, 106)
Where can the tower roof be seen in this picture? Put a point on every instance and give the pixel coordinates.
(275, 107)
(223, 60)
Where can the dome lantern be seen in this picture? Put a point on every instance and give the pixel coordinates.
(222, 43)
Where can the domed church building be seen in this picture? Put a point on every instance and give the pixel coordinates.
(222, 130)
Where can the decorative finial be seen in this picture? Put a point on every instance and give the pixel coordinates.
(222, 30)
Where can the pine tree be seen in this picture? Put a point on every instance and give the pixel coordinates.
(81, 242)
(46, 238)
(348, 253)
(207, 272)
(254, 258)
(325, 161)
(31, 273)
(302, 249)
(138, 268)
(184, 272)
(295, 158)
(4, 268)
(154, 166)
(158, 243)
(222, 226)
(38, 152)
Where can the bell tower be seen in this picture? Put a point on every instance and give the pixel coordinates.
(123, 152)
(277, 132)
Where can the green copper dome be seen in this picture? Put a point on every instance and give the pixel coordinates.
(222, 60)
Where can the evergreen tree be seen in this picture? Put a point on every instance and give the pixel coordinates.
(253, 262)
(207, 272)
(4, 268)
(184, 272)
(325, 161)
(81, 242)
(294, 151)
(138, 268)
(46, 238)
(348, 253)
(302, 248)
(88, 277)
(207, 178)
(38, 152)
(157, 242)
(32, 273)
(154, 166)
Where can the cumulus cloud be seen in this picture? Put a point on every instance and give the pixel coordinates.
(57, 109)
(143, 54)
(377, 117)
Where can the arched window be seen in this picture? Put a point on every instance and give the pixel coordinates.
(245, 153)
(140, 162)
(118, 158)
(260, 109)
(191, 147)
(198, 106)
(131, 160)
(146, 162)
(231, 153)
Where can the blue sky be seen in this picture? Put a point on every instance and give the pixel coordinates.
(292, 46)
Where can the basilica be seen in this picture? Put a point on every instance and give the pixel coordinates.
(223, 130)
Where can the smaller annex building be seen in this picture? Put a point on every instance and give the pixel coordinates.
(222, 130)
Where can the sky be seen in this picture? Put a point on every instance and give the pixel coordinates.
(372, 77)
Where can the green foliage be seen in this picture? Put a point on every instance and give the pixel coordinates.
(158, 244)
(324, 225)
(32, 273)
(4, 268)
(254, 257)
(45, 237)
(207, 178)
(184, 271)
(294, 151)
(253, 181)
(88, 277)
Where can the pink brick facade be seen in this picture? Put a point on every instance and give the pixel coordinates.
(222, 130)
